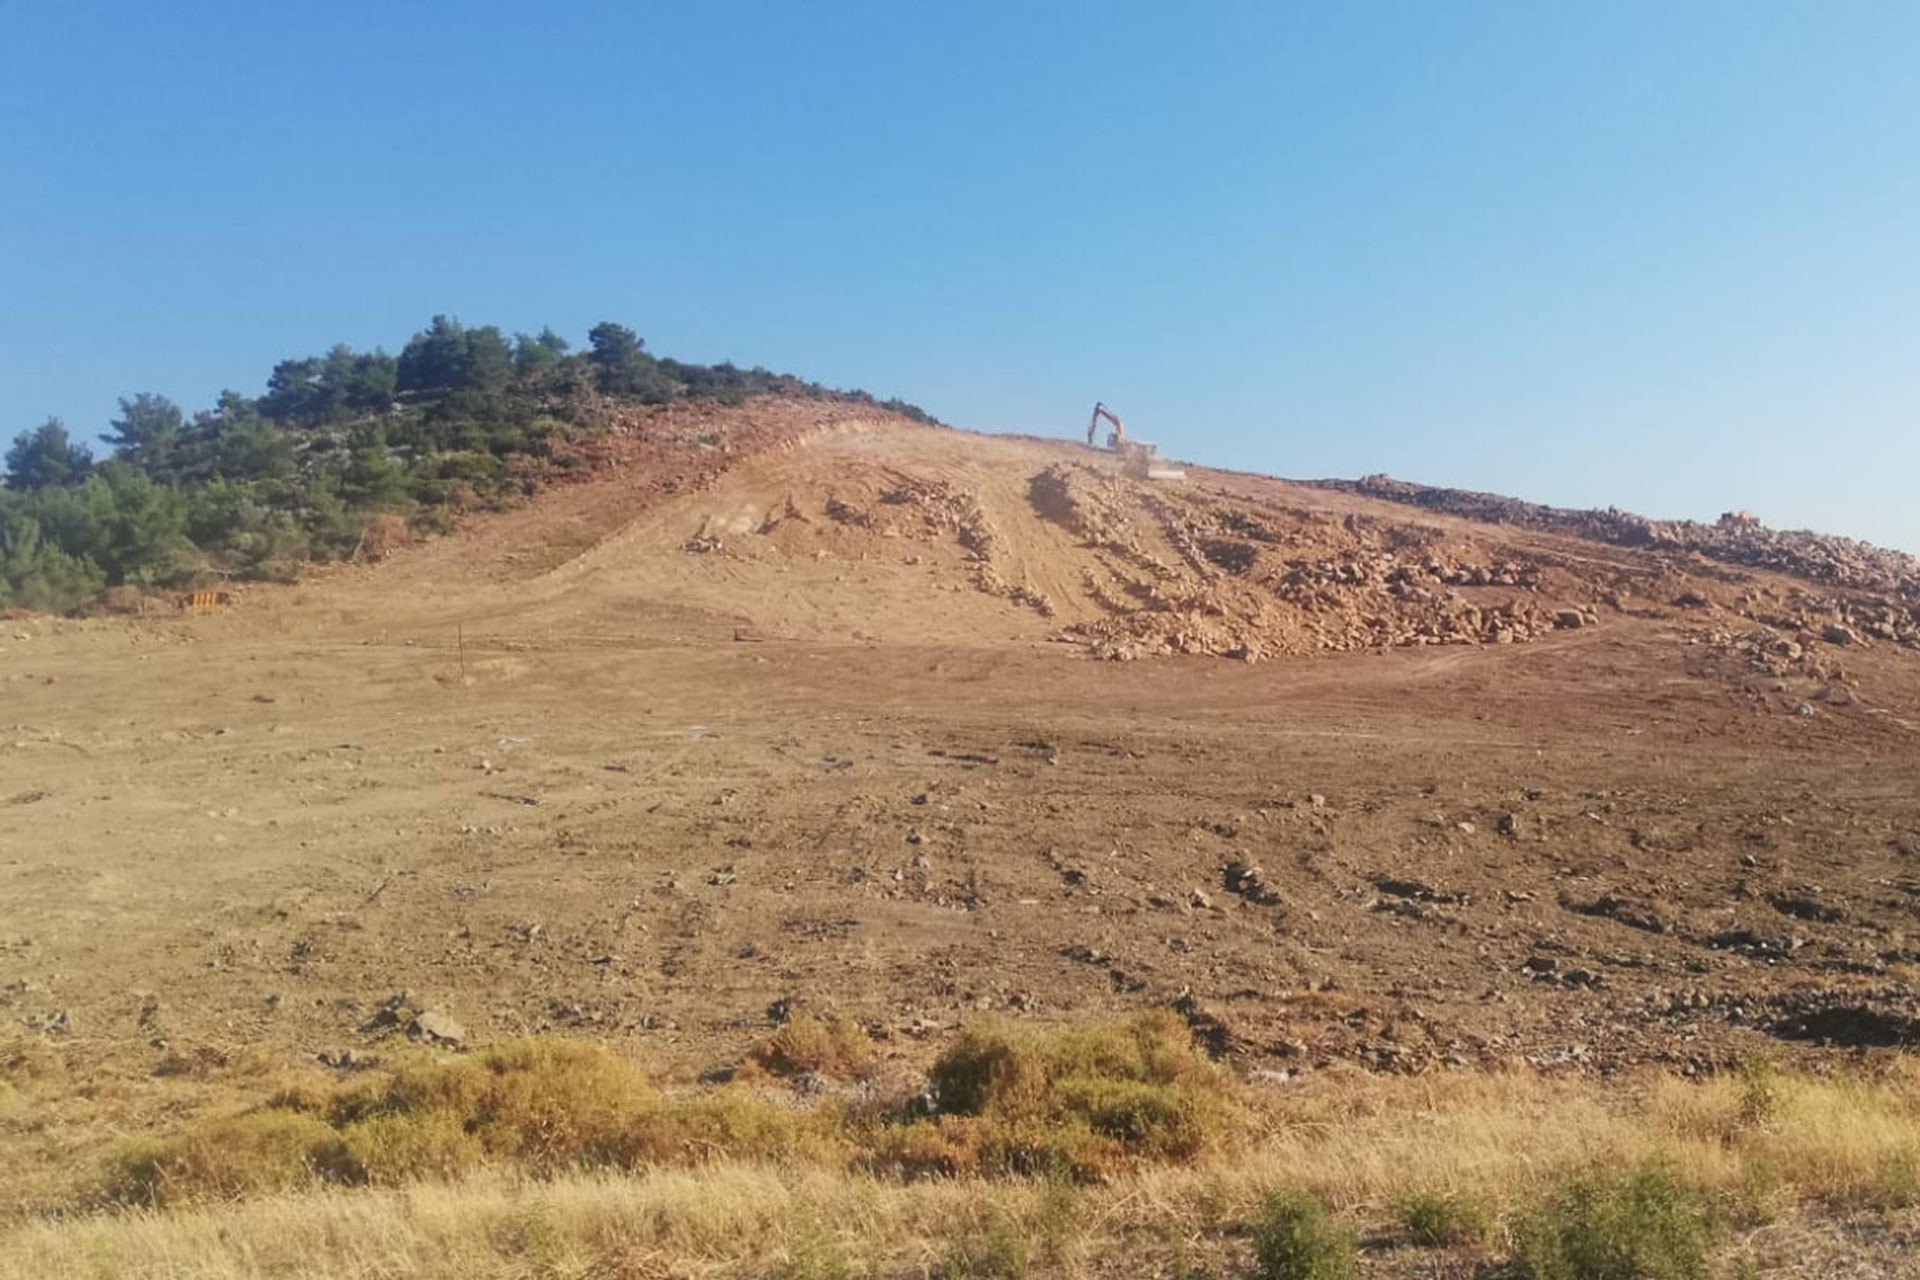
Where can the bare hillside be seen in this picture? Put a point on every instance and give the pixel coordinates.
(800, 706)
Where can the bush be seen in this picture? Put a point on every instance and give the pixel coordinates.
(549, 1105)
(1295, 1239)
(1645, 1224)
(270, 1150)
(395, 1148)
(813, 1254)
(807, 1045)
(1076, 1104)
(542, 1105)
(1081, 1102)
(1898, 1184)
(942, 1147)
(1434, 1219)
(1760, 1093)
(995, 1253)
(735, 1123)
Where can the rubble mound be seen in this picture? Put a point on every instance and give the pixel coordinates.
(1197, 569)
(813, 520)
(1735, 539)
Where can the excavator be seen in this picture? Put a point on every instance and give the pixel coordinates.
(1137, 457)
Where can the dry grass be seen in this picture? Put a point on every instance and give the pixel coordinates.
(474, 1169)
(540, 1107)
(813, 1046)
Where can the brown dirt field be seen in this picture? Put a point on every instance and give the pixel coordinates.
(559, 771)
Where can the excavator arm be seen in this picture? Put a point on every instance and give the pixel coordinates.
(1100, 411)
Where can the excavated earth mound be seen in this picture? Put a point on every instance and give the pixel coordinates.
(831, 524)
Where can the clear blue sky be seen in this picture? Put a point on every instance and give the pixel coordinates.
(1659, 255)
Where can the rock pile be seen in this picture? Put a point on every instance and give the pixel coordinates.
(1733, 539)
(1199, 571)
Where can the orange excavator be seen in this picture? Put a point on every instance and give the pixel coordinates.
(1137, 457)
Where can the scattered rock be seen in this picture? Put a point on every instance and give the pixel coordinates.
(1419, 891)
(345, 1060)
(1208, 1027)
(1753, 945)
(1805, 907)
(1249, 884)
(404, 1012)
(58, 1023)
(1635, 915)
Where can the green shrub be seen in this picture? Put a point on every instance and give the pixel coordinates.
(813, 1254)
(1760, 1092)
(1645, 1224)
(1755, 1198)
(1056, 1222)
(1295, 1239)
(1898, 1185)
(1434, 1219)
(995, 1253)
(1082, 1102)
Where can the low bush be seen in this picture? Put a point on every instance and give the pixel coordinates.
(1082, 1102)
(544, 1106)
(814, 1254)
(542, 1103)
(1899, 1182)
(995, 1252)
(1644, 1224)
(807, 1045)
(1434, 1219)
(270, 1150)
(407, 1147)
(1294, 1238)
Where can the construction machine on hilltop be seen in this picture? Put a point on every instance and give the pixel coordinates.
(1138, 458)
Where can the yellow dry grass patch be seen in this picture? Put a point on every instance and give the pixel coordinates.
(538, 1107)
(448, 1201)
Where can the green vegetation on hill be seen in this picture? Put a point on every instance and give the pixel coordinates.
(254, 486)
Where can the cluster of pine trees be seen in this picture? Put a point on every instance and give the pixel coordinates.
(255, 486)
